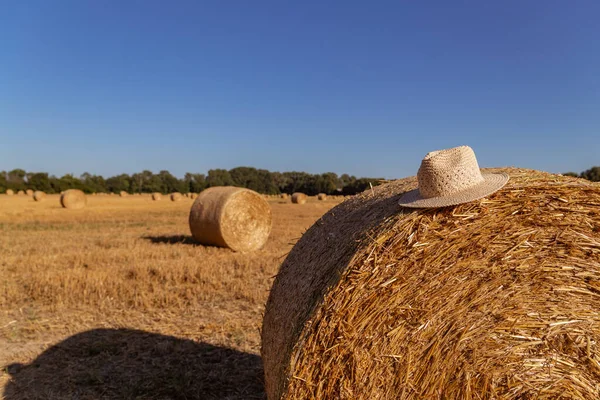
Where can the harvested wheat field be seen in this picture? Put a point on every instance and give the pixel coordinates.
(116, 300)
(492, 299)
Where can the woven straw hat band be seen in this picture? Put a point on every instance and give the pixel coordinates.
(449, 171)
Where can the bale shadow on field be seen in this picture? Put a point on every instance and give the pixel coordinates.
(132, 364)
(173, 239)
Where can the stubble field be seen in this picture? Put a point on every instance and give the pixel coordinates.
(117, 301)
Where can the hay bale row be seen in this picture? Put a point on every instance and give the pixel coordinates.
(73, 199)
(299, 198)
(492, 299)
(232, 217)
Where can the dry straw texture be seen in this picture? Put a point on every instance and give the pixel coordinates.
(493, 299)
(299, 198)
(38, 195)
(156, 196)
(73, 199)
(10, 192)
(232, 217)
(322, 196)
(176, 196)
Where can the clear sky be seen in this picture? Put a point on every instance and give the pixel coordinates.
(366, 88)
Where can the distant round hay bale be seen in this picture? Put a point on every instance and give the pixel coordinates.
(123, 193)
(497, 297)
(73, 199)
(38, 195)
(193, 195)
(29, 192)
(299, 198)
(10, 192)
(156, 196)
(176, 196)
(20, 193)
(232, 217)
(283, 196)
(322, 196)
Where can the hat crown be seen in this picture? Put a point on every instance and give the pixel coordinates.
(446, 172)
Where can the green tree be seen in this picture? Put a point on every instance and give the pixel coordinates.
(170, 183)
(195, 183)
(219, 177)
(592, 174)
(39, 181)
(93, 183)
(16, 179)
(3, 182)
(119, 183)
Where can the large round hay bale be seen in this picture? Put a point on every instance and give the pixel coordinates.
(20, 193)
(232, 217)
(322, 196)
(299, 198)
(73, 199)
(38, 195)
(29, 192)
(156, 196)
(10, 192)
(494, 299)
(176, 196)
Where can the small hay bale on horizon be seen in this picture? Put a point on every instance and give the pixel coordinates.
(283, 196)
(29, 192)
(299, 198)
(10, 192)
(497, 297)
(232, 217)
(156, 196)
(73, 199)
(322, 196)
(176, 196)
(38, 195)
(20, 193)
(123, 193)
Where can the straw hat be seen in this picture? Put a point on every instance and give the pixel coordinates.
(450, 177)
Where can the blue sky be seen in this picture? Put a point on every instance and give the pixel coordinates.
(366, 88)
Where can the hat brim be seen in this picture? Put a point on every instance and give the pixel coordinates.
(491, 183)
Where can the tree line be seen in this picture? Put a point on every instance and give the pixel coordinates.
(592, 174)
(259, 180)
